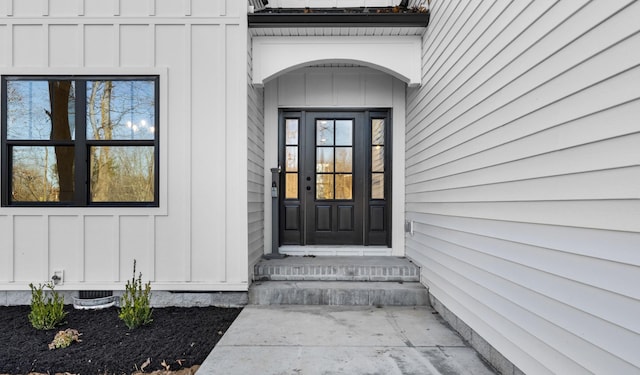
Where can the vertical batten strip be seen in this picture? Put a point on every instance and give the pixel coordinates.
(47, 249)
(46, 52)
(187, 8)
(189, 123)
(223, 45)
(9, 7)
(8, 45)
(45, 7)
(151, 248)
(223, 7)
(83, 241)
(116, 7)
(154, 43)
(117, 271)
(81, 60)
(152, 7)
(80, 8)
(12, 252)
(116, 50)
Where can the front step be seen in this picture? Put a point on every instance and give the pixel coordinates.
(338, 268)
(350, 293)
(342, 280)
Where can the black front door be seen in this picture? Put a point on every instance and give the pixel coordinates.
(335, 178)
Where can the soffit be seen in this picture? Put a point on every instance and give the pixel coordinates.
(336, 31)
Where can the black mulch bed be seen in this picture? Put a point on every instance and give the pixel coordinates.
(182, 337)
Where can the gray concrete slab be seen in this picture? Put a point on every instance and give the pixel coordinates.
(341, 340)
(338, 293)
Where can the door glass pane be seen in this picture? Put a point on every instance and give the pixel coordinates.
(344, 186)
(324, 186)
(344, 159)
(377, 158)
(377, 186)
(292, 159)
(291, 186)
(324, 159)
(324, 132)
(377, 132)
(42, 174)
(32, 115)
(291, 136)
(344, 132)
(120, 110)
(122, 174)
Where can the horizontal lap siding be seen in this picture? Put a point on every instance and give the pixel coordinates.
(522, 172)
(198, 238)
(256, 167)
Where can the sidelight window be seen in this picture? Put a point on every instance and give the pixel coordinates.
(377, 158)
(80, 141)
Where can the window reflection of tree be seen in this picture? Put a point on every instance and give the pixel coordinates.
(334, 164)
(44, 110)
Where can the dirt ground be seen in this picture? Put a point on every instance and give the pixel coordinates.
(178, 339)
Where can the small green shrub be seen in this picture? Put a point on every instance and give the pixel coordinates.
(135, 308)
(46, 313)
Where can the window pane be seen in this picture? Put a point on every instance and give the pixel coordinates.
(291, 136)
(344, 159)
(324, 159)
(120, 110)
(344, 186)
(291, 186)
(32, 115)
(292, 159)
(42, 174)
(377, 158)
(377, 132)
(377, 186)
(344, 131)
(324, 186)
(324, 132)
(122, 174)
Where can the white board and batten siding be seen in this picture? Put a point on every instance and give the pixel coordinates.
(523, 178)
(197, 239)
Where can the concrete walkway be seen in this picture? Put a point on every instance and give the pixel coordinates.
(310, 340)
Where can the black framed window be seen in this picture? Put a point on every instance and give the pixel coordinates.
(80, 141)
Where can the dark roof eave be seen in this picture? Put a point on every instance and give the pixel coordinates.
(319, 19)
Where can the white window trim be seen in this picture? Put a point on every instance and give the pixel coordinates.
(163, 197)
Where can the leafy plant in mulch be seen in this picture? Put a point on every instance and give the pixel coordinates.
(46, 312)
(135, 306)
(65, 338)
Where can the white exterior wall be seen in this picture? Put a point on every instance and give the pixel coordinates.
(328, 88)
(256, 167)
(522, 171)
(198, 238)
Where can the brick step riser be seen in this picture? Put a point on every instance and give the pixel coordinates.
(337, 273)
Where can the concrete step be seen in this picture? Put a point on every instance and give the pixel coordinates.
(337, 268)
(350, 293)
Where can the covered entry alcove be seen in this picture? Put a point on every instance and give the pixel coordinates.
(334, 116)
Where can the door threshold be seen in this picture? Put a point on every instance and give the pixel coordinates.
(335, 250)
